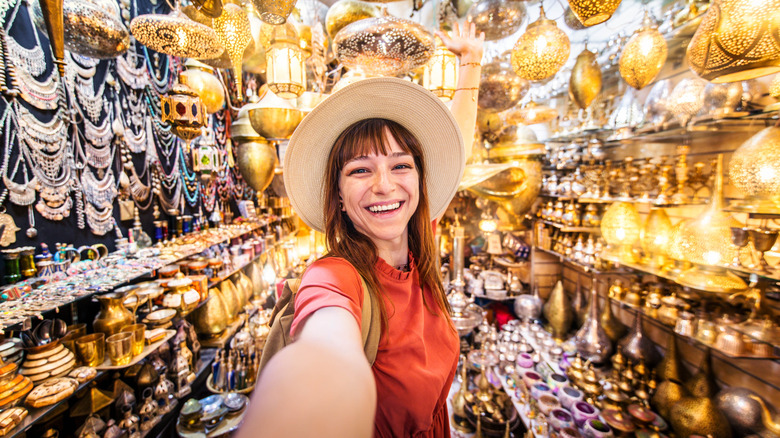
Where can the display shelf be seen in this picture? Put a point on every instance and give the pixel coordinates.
(582, 267)
(106, 365)
(49, 288)
(568, 229)
(521, 408)
(222, 340)
(35, 414)
(214, 282)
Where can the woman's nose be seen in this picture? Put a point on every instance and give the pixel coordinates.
(382, 182)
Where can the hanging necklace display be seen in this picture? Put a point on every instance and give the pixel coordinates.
(189, 180)
(31, 60)
(100, 193)
(160, 79)
(91, 100)
(100, 221)
(174, 186)
(134, 77)
(208, 196)
(19, 194)
(31, 232)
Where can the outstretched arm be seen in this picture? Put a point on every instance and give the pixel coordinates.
(468, 46)
(320, 385)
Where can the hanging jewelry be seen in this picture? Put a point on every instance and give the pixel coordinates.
(31, 232)
(100, 221)
(91, 100)
(30, 60)
(8, 228)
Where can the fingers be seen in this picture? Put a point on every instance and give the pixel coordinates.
(472, 33)
(456, 29)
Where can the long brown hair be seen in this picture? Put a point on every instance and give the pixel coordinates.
(345, 241)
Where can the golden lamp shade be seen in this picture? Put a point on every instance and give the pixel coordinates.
(241, 130)
(285, 63)
(737, 40)
(175, 34)
(273, 117)
(687, 99)
(233, 32)
(593, 12)
(643, 56)
(200, 77)
(541, 51)
(496, 18)
(386, 46)
(256, 162)
(53, 18)
(531, 114)
(274, 11)
(210, 8)
(512, 182)
(571, 20)
(254, 55)
(754, 170)
(774, 87)
(655, 236)
(585, 81)
(345, 12)
(500, 88)
(620, 224)
(674, 247)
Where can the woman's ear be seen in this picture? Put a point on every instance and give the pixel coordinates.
(341, 204)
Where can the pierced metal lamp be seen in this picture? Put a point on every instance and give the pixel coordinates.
(774, 91)
(655, 237)
(285, 68)
(754, 170)
(593, 12)
(644, 55)
(232, 28)
(737, 40)
(541, 51)
(585, 81)
(175, 34)
(706, 242)
(687, 99)
(620, 227)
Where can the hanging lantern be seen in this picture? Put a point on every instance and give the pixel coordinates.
(585, 81)
(285, 68)
(206, 157)
(440, 74)
(345, 12)
(200, 77)
(593, 12)
(210, 8)
(655, 237)
(175, 34)
(686, 99)
(500, 88)
(232, 28)
(754, 170)
(183, 109)
(496, 18)
(644, 55)
(706, 242)
(541, 51)
(254, 61)
(737, 40)
(274, 11)
(774, 91)
(531, 114)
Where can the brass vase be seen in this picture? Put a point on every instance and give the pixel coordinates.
(667, 394)
(698, 416)
(746, 412)
(612, 326)
(637, 346)
(580, 305)
(210, 319)
(558, 312)
(702, 384)
(244, 284)
(231, 299)
(113, 315)
(256, 276)
(257, 162)
(592, 342)
(585, 81)
(670, 367)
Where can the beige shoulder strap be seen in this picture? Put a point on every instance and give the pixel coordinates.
(370, 324)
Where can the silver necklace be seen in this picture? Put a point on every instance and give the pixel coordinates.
(30, 60)
(91, 100)
(100, 221)
(42, 94)
(98, 193)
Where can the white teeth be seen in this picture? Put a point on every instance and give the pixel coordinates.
(378, 208)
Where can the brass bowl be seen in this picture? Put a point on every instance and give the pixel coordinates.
(274, 123)
(256, 162)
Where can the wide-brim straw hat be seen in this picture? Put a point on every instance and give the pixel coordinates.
(412, 106)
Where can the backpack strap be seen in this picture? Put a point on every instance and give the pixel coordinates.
(370, 323)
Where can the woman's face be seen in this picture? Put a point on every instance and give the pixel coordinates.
(380, 194)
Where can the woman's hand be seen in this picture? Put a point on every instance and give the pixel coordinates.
(465, 43)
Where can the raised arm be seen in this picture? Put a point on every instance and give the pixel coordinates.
(468, 47)
(320, 385)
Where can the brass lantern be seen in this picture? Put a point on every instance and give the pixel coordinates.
(754, 170)
(285, 63)
(200, 77)
(644, 55)
(737, 40)
(440, 74)
(232, 28)
(541, 51)
(620, 226)
(585, 81)
(706, 242)
(274, 11)
(687, 99)
(184, 110)
(593, 12)
(175, 34)
(655, 237)
(345, 12)
(205, 158)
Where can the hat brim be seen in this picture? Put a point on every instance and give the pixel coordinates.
(412, 106)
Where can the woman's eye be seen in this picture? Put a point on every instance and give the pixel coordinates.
(403, 166)
(357, 171)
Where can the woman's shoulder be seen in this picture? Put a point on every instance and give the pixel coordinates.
(330, 270)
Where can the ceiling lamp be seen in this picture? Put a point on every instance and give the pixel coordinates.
(500, 88)
(274, 118)
(754, 170)
(385, 46)
(176, 35)
(585, 81)
(620, 226)
(210, 8)
(687, 99)
(232, 28)
(274, 11)
(531, 114)
(200, 77)
(593, 12)
(345, 12)
(674, 249)
(496, 18)
(285, 68)
(183, 109)
(737, 40)
(254, 56)
(440, 74)
(655, 237)
(541, 51)
(706, 242)
(571, 20)
(644, 55)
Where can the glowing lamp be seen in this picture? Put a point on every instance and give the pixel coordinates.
(541, 51)
(655, 237)
(285, 68)
(620, 227)
(440, 74)
(643, 56)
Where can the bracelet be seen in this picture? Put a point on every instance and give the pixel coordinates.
(467, 89)
(473, 64)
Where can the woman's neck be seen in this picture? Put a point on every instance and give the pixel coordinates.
(397, 257)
